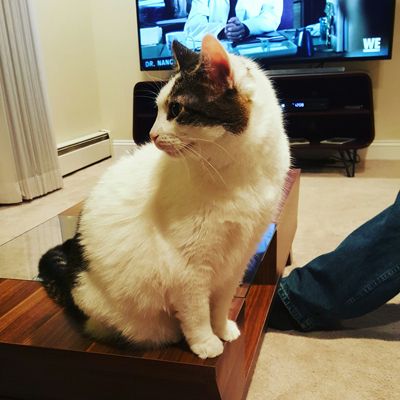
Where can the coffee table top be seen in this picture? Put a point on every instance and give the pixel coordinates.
(19, 257)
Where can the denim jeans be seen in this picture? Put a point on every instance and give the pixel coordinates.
(360, 275)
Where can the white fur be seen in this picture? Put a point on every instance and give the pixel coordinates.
(168, 237)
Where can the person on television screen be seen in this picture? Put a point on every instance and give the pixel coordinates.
(177, 8)
(233, 19)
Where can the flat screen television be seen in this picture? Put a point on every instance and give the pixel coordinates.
(275, 32)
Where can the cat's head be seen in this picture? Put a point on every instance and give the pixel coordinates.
(201, 104)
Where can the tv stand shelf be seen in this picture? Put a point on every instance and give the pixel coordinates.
(325, 106)
(336, 112)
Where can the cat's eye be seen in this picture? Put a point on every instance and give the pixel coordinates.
(174, 109)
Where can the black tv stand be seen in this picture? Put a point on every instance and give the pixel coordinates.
(329, 117)
(305, 71)
(318, 108)
(337, 159)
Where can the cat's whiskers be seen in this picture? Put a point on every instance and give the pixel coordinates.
(158, 83)
(207, 164)
(202, 159)
(181, 152)
(215, 143)
(153, 78)
(142, 96)
(153, 102)
(152, 93)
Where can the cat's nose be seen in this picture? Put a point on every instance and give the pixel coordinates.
(154, 136)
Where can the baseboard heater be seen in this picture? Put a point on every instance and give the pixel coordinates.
(84, 151)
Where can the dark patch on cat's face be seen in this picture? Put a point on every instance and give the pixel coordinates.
(195, 100)
(186, 59)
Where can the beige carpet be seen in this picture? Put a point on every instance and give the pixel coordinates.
(361, 362)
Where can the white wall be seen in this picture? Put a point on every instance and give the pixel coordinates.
(67, 55)
(90, 53)
(117, 54)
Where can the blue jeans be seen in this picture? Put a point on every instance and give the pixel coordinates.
(360, 275)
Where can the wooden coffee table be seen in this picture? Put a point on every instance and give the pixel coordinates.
(43, 354)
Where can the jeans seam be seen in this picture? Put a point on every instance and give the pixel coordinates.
(305, 323)
(372, 285)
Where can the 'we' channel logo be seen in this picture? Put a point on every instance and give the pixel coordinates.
(372, 45)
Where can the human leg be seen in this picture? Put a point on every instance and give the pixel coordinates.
(360, 275)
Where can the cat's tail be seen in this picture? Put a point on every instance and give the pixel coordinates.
(58, 271)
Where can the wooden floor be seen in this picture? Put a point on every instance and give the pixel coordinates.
(45, 355)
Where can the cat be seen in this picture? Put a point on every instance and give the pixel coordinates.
(165, 236)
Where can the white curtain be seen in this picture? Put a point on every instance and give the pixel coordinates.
(28, 155)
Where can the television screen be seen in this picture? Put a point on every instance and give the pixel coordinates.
(270, 31)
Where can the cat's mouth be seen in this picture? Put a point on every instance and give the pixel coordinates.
(174, 150)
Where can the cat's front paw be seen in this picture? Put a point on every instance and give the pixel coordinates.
(208, 348)
(229, 332)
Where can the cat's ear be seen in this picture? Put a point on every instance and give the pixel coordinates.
(216, 61)
(186, 59)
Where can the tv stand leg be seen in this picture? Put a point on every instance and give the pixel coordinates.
(349, 159)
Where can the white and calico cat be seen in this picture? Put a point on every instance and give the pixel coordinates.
(165, 236)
